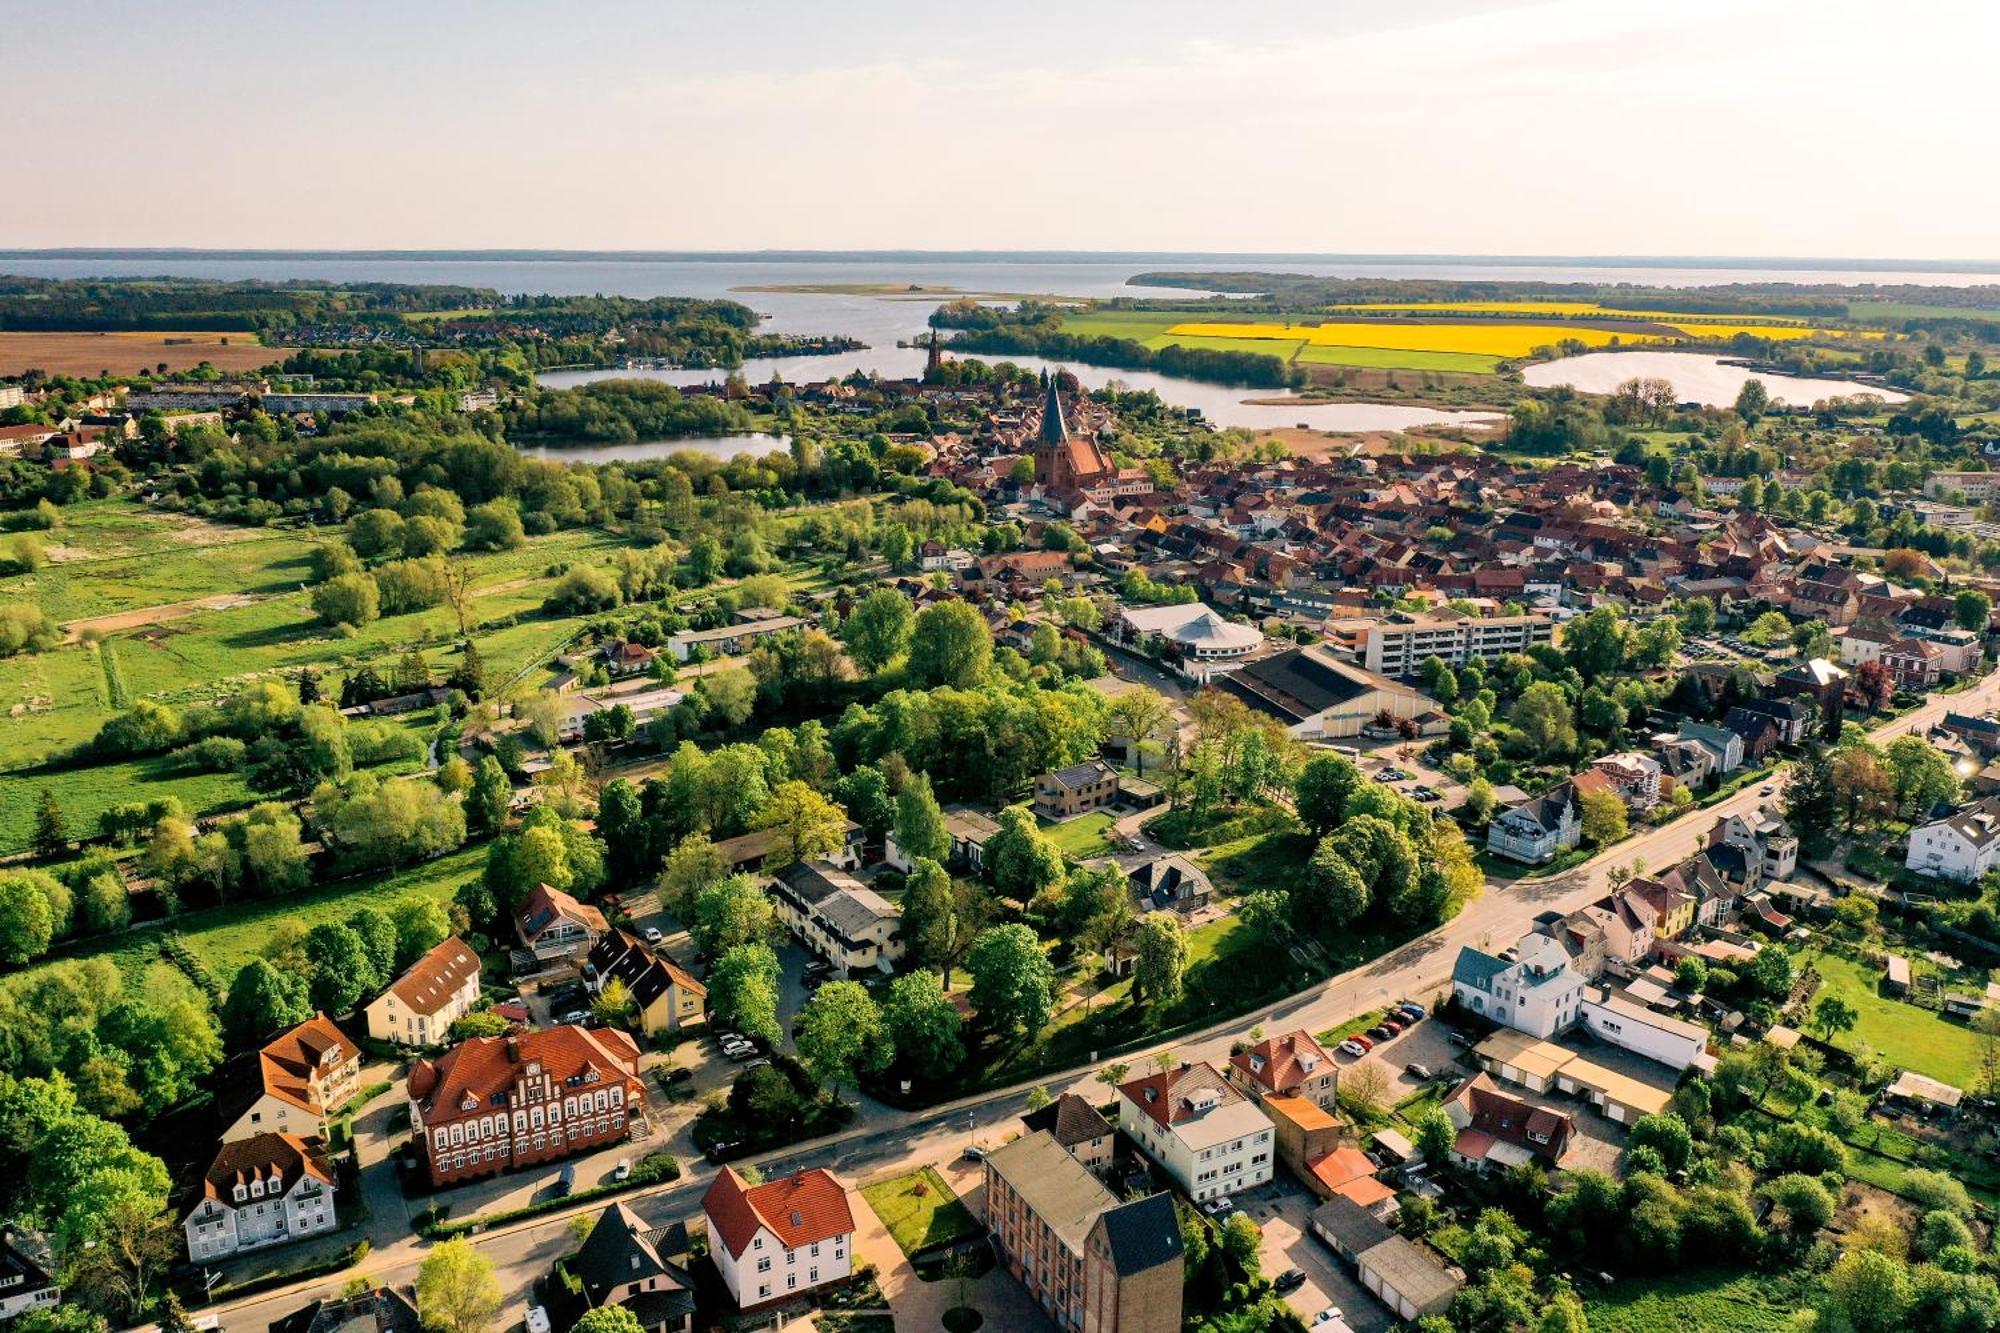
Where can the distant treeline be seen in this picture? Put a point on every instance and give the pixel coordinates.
(1032, 330)
(44, 305)
(620, 412)
(1294, 291)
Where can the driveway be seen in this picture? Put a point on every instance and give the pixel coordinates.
(1283, 1209)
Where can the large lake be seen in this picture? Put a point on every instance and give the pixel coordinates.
(1696, 378)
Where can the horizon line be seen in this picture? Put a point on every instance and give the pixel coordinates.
(1803, 263)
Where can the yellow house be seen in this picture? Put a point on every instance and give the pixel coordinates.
(666, 998)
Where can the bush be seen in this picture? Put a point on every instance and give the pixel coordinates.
(24, 629)
(583, 590)
(216, 754)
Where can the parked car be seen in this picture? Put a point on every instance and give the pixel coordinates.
(1457, 1038)
(1418, 1071)
(1219, 1209)
(761, 1062)
(574, 1016)
(1380, 1033)
(1289, 1280)
(1353, 1048)
(538, 1319)
(623, 1171)
(653, 935)
(566, 1181)
(973, 1153)
(1366, 1043)
(1331, 1320)
(1395, 1026)
(1412, 1013)
(724, 1149)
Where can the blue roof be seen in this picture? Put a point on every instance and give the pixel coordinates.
(1477, 968)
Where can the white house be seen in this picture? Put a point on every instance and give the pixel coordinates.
(1210, 1138)
(25, 1283)
(1535, 831)
(1964, 845)
(260, 1191)
(1622, 1021)
(299, 1079)
(421, 1005)
(772, 1241)
(1770, 848)
(1533, 989)
(838, 917)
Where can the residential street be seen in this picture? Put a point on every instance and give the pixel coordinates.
(885, 1139)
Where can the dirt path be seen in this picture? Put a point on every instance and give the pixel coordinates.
(159, 615)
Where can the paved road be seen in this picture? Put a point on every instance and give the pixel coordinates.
(1419, 968)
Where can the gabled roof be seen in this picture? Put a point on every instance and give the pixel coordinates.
(545, 906)
(287, 1064)
(383, 1310)
(480, 1072)
(1055, 1186)
(619, 1250)
(1182, 1094)
(1142, 1234)
(1282, 1063)
(1071, 1119)
(279, 1160)
(432, 980)
(798, 1209)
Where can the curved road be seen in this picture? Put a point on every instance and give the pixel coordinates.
(887, 1138)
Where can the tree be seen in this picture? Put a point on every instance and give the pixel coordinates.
(51, 836)
(1811, 802)
(421, 925)
(1869, 1291)
(1542, 715)
(341, 970)
(27, 926)
(690, 867)
(1833, 1015)
(1321, 791)
(1435, 1137)
(930, 916)
(842, 1035)
(1020, 859)
(1563, 1314)
(922, 1025)
(878, 631)
(263, 1001)
(1920, 775)
(731, 912)
(920, 827)
(951, 645)
(1365, 1084)
(743, 991)
(729, 696)
(353, 600)
(1753, 400)
(492, 792)
(808, 825)
(102, 904)
(1332, 895)
(1603, 818)
(608, 1319)
(1596, 644)
(1665, 1133)
(1013, 982)
(1972, 610)
(1864, 790)
(1242, 1240)
(1160, 970)
(613, 1005)
(1138, 714)
(457, 1291)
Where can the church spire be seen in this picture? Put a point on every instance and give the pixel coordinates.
(1055, 429)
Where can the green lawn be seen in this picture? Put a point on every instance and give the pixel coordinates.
(1902, 1034)
(1082, 837)
(85, 793)
(1395, 358)
(1694, 1303)
(920, 1210)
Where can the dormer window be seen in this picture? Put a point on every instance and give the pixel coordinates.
(241, 1192)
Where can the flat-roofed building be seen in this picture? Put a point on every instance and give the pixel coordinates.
(1399, 645)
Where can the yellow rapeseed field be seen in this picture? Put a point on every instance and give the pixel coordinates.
(1507, 340)
(1573, 309)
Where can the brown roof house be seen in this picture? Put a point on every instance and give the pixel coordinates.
(1078, 1127)
(436, 991)
(556, 927)
(1496, 1130)
(259, 1191)
(1289, 1065)
(771, 1242)
(295, 1082)
(1076, 790)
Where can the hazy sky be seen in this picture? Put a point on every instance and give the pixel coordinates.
(1835, 128)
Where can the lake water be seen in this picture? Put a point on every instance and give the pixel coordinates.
(715, 446)
(1696, 378)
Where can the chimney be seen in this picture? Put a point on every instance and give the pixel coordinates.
(513, 1049)
(798, 1176)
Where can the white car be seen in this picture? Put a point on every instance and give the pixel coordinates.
(1331, 1320)
(653, 935)
(538, 1319)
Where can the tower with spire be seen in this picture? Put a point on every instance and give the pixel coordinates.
(935, 361)
(1064, 462)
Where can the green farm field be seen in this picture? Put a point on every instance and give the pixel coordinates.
(1694, 1303)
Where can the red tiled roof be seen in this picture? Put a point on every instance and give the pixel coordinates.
(798, 1209)
(1282, 1059)
(279, 1159)
(287, 1064)
(481, 1067)
(436, 977)
(1164, 1097)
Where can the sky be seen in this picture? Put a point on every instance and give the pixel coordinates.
(1813, 128)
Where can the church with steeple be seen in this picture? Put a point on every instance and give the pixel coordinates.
(1070, 468)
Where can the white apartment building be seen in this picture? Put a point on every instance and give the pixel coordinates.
(260, 1191)
(1624, 1022)
(1976, 487)
(772, 1241)
(1210, 1138)
(1964, 845)
(1399, 645)
(1535, 991)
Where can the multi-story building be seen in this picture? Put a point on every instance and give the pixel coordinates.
(295, 1082)
(1094, 1264)
(1399, 645)
(436, 991)
(727, 640)
(621, 1264)
(1640, 780)
(1537, 830)
(259, 1191)
(1078, 1127)
(1202, 642)
(1535, 990)
(1209, 1137)
(1076, 790)
(1976, 487)
(1291, 1065)
(1964, 845)
(490, 1104)
(1768, 845)
(665, 997)
(557, 928)
(838, 917)
(377, 1310)
(772, 1241)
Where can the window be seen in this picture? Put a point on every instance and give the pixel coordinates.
(791, 1281)
(813, 1276)
(764, 1264)
(815, 1249)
